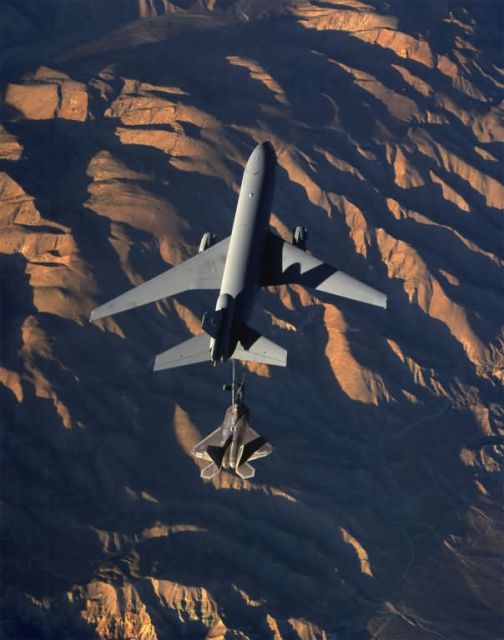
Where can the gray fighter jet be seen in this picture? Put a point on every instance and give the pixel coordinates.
(233, 445)
(250, 258)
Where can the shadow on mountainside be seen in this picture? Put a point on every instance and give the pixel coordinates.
(79, 500)
(273, 549)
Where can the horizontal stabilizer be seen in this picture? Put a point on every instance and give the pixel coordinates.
(210, 471)
(245, 471)
(254, 347)
(191, 351)
(202, 271)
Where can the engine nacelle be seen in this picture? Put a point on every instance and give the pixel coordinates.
(299, 237)
(207, 241)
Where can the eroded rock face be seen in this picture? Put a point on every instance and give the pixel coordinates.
(378, 513)
(50, 94)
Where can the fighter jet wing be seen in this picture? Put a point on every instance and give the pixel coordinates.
(286, 264)
(214, 439)
(202, 271)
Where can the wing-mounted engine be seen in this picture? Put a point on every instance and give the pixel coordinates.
(300, 237)
(207, 240)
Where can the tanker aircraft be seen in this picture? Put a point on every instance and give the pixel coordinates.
(237, 267)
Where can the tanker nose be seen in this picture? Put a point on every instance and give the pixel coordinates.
(263, 157)
(256, 161)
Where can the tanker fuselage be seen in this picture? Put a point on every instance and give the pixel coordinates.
(242, 269)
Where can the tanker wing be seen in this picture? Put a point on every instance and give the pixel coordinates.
(288, 264)
(202, 271)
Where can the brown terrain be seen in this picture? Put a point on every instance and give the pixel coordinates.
(126, 127)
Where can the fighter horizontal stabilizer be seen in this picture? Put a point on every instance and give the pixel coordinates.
(210, 471)
(191, 351)
(245, 471)
(287, 264)
(202, 271)
(252, 346)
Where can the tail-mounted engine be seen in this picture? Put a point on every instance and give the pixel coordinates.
(207, 241)
(299, 237)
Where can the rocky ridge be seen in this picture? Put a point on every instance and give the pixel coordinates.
(378, 514)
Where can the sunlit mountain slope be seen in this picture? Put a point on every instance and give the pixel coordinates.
(126, 127)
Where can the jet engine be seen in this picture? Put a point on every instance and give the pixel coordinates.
(299, 237)
(207, 241)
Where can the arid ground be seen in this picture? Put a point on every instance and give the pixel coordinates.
(125, 129)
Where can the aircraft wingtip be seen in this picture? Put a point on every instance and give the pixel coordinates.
(379, 301)
(95, 315)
